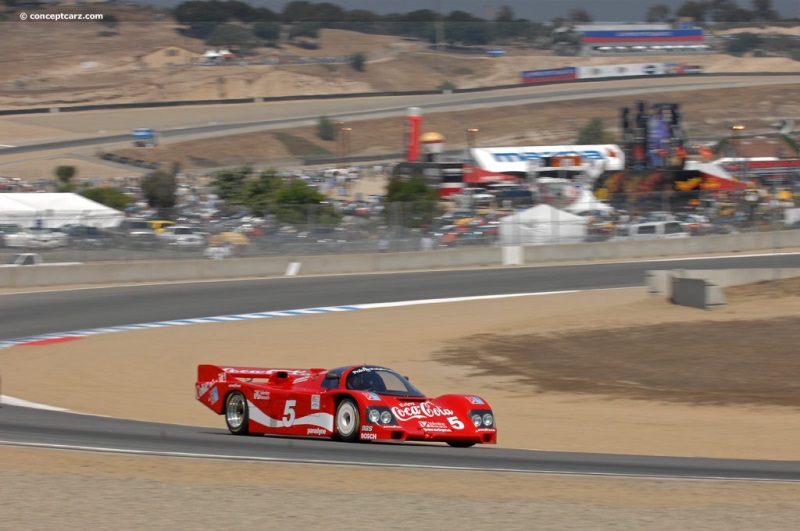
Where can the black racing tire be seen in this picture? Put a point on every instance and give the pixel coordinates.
(237, 416)
(461, 444)
(348, 421)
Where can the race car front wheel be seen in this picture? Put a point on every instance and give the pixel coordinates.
(236, 414)
(348, 421)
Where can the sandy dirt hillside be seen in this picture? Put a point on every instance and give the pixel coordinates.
(86, 62)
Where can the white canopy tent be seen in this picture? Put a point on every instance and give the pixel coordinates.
(587, 203)
(542, 224)
(54, 210)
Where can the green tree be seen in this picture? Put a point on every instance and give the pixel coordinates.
(580, 16)
(308, 29)
(744, 42)
(410, 201)
(762, 9)
(259, 193)
(326, 128)
(298, 11)
(407, 190)
(231, 35)
(229, 184)
(201, 17)
(594, 133)
(463, 28)
(110, 21)
(110, 197)
(358, 61)
(658, 13)
(696, 10)
(64, 174)
(297, 203)
(158, 189)
(268, 31)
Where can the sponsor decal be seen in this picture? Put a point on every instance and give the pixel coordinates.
(260, 395)
(372, 396)
(314, 401)
(475, 400)
(316, 431)
(367, 369)
(202, 389)
(411, 410)
(214, 398)
(434, 427)
(366, 428)
(369, 436)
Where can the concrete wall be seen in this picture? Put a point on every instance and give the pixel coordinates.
(152, 271)
(660, 282)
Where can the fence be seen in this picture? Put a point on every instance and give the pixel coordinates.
(365, 226)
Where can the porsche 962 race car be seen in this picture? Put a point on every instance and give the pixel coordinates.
(353, 403)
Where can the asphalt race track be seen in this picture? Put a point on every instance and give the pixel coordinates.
(95, 128)
(46, 312)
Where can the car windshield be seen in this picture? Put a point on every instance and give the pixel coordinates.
(380, 380)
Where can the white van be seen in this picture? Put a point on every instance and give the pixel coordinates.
(652, 230)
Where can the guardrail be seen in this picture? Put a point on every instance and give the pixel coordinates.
(187, 270)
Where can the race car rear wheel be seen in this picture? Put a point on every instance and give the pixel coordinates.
(236, 415)
(348, 421)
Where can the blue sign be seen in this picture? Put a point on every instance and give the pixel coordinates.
(143, 134)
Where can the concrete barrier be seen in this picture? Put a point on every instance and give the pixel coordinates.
(660, 282)
(158, 271)
(697, 293)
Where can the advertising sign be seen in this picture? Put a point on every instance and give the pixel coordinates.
(622, 70)
(643, 36)
(549, 74)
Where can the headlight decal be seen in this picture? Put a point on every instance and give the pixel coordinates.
(380, 415)
(482, 418)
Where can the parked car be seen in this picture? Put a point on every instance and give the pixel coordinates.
(8, 232)
(160, 225)
(451, 216)
(183, 237)
(88, 237)
(135, 233)
(653, 230)
(696, 224)
(34, 237)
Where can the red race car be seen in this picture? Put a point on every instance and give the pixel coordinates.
(354, 403)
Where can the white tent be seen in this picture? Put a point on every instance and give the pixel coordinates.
(542, 224)
(55, 210)
(587, 203)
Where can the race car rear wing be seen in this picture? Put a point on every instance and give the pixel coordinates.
(221, 373)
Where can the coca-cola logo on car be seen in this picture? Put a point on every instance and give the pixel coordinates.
(410, 411)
